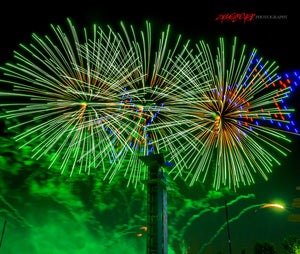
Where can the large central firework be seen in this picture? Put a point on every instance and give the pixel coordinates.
(104, 100)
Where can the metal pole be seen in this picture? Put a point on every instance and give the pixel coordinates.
(228, 231)
(157, 229)
(2, 233)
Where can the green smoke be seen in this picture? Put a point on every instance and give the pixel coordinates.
(47, 212)
(51, 213)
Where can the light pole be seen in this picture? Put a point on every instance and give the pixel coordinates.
(2, 233)
(228, 231)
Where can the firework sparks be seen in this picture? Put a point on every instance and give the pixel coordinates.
(102, 102)
(142, 228)
(225, 224)
(209, 209)
(62, 94)
(160, 101)
(107, 100)
(238, 124)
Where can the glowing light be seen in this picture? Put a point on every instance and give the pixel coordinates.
(272, 205)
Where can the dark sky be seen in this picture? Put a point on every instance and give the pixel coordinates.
(275, 40)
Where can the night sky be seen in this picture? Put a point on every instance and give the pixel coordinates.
(276, 40)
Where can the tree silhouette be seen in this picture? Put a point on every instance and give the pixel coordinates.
(264, 248)
(291, 244)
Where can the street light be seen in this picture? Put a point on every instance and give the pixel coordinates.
(227, 219)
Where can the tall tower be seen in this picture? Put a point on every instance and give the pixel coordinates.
(157, 224)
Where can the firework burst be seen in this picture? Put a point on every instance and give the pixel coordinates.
(236, 126)
(104, 100)
(159, 104)
(61, 93)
